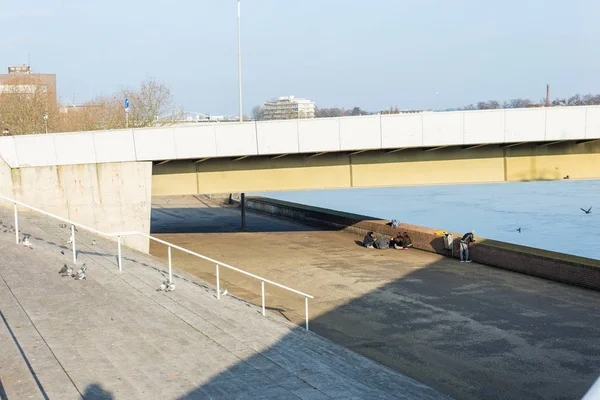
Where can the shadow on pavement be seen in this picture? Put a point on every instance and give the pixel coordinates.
(471, 332)
(96, 392)
(218, 220)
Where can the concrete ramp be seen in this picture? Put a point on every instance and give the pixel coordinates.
(115, 336)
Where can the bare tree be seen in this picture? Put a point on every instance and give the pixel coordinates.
(25, 107)
(329, 112)
(517, 103)
(489, 105)
(258, 113)
(150, 102)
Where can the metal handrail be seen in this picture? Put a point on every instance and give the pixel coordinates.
(118, 235)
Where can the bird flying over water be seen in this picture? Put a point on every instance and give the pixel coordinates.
(588, 211)
(519, 230)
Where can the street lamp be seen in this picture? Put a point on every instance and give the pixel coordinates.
(46, 122)
(240, 58)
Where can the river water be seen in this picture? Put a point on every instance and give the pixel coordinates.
(548, 213)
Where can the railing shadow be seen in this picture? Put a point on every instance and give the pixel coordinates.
(25, 359)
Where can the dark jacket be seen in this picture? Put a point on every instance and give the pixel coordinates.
(369, 240)
(467, 238)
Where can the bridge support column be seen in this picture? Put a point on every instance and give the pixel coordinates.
(243, 207)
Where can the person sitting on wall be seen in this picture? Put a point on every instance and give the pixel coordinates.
(369, 240)
(406, 241)
(466, 240)
(396, 242)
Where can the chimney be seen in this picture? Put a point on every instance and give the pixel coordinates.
(547, 95)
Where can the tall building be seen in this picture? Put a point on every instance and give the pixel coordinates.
(289, 108)
(21, 81)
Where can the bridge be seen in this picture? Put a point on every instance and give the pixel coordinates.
(107, 178)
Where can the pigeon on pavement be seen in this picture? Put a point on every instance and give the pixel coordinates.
(166, 286)
(63, 270)
(81, 273)
(25, 241)
(68, 272)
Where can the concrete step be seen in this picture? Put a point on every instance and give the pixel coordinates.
(117, 332)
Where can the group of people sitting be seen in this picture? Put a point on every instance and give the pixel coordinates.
(401, 242)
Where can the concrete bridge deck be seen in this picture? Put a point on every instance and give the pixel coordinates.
(468, 330)
(114, 336)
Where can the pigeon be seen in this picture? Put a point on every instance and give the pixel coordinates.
(588, 211)
(225, 292)
(26, 242)
(566, 177)
(63, 270)
(68, 272)
(62, 225)
(81, 273)
(62, 252)
(165, 286)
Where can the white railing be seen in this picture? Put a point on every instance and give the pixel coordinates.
(169, 245)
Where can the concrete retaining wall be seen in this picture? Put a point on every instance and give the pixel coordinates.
(560, 267)
(110, 197)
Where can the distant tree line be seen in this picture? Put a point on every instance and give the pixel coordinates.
(576, 100)
(27, 113)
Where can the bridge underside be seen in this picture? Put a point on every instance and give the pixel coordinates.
(515, 162)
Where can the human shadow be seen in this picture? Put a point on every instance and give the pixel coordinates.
(95, 391)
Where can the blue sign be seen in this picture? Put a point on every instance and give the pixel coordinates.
(126, 104)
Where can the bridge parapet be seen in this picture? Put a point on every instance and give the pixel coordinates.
(220, 140)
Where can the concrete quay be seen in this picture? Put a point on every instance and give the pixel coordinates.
(468, 330)
(114, 336)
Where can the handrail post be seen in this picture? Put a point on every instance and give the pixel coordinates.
(262, 286)
(73, 243)
(119, 251)
(218, 286)
(170, 274)
(306, 310)
(16, 223)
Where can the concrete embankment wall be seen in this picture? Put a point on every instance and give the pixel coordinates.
(110, 197)
(536, 262)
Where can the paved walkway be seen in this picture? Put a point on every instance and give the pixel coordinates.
(114, 336)
(472, 331)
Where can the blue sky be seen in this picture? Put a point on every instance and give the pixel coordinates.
(339, 53)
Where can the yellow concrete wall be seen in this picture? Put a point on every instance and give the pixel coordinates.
(379, 169)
